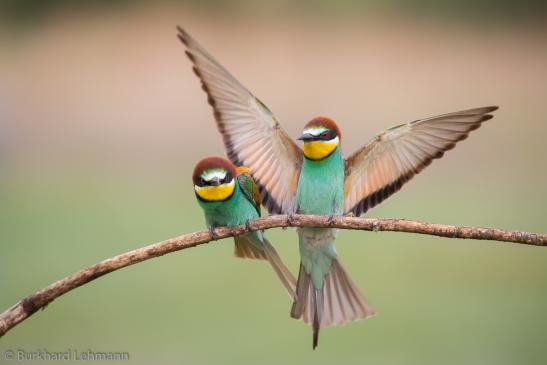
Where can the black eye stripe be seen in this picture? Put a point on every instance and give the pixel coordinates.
(202, 182)
(326, 135)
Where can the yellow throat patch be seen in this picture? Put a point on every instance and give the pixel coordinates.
(215, 193)
(317, 150)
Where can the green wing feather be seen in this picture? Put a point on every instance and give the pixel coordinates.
(248, 187)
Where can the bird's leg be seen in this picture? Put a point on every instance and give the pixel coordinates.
(290, 215)
(248, 225)
(290, 218)
(332, 217)
(212, 233)
(331, 220)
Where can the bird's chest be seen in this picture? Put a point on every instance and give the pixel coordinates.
(234, 211)
(321, 186)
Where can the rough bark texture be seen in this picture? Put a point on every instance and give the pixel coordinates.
(40, 299)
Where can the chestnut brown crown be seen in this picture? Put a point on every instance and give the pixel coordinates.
(210, 163)
(332, 130)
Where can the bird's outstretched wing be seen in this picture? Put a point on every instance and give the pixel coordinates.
(251, 133)
(392, 158)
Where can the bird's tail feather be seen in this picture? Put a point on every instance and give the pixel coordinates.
(337, 302)
(284, 274)
(245, 248)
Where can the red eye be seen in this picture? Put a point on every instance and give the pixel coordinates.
(324, 135)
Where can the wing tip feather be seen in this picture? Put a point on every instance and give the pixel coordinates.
(183, 36)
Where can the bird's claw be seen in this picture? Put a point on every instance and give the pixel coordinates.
(212, 233)
(331, 220)
(290, 219)
(248, 225)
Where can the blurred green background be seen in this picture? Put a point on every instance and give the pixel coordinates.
(101, 121)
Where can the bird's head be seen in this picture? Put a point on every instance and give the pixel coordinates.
(213, 179)
(321, 136)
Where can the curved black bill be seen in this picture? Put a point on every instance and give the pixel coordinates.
(307, 137)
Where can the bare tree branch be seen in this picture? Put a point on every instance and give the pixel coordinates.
(38, 300)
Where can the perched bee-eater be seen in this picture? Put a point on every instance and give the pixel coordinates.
(229, 196)
(318, 180)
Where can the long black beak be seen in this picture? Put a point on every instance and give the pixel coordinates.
(215, 181)
(307, 137)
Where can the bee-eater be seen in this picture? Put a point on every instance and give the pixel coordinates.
(318, 180)
(229, 197)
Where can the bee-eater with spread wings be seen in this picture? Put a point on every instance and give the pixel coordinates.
(318, 180)
(229, 197)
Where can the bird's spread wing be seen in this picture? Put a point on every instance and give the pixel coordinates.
(252, 135)
(248, 186)
(392, 158)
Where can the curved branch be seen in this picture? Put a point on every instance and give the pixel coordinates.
(40, 299)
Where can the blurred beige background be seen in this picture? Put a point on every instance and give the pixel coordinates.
(102, 120)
